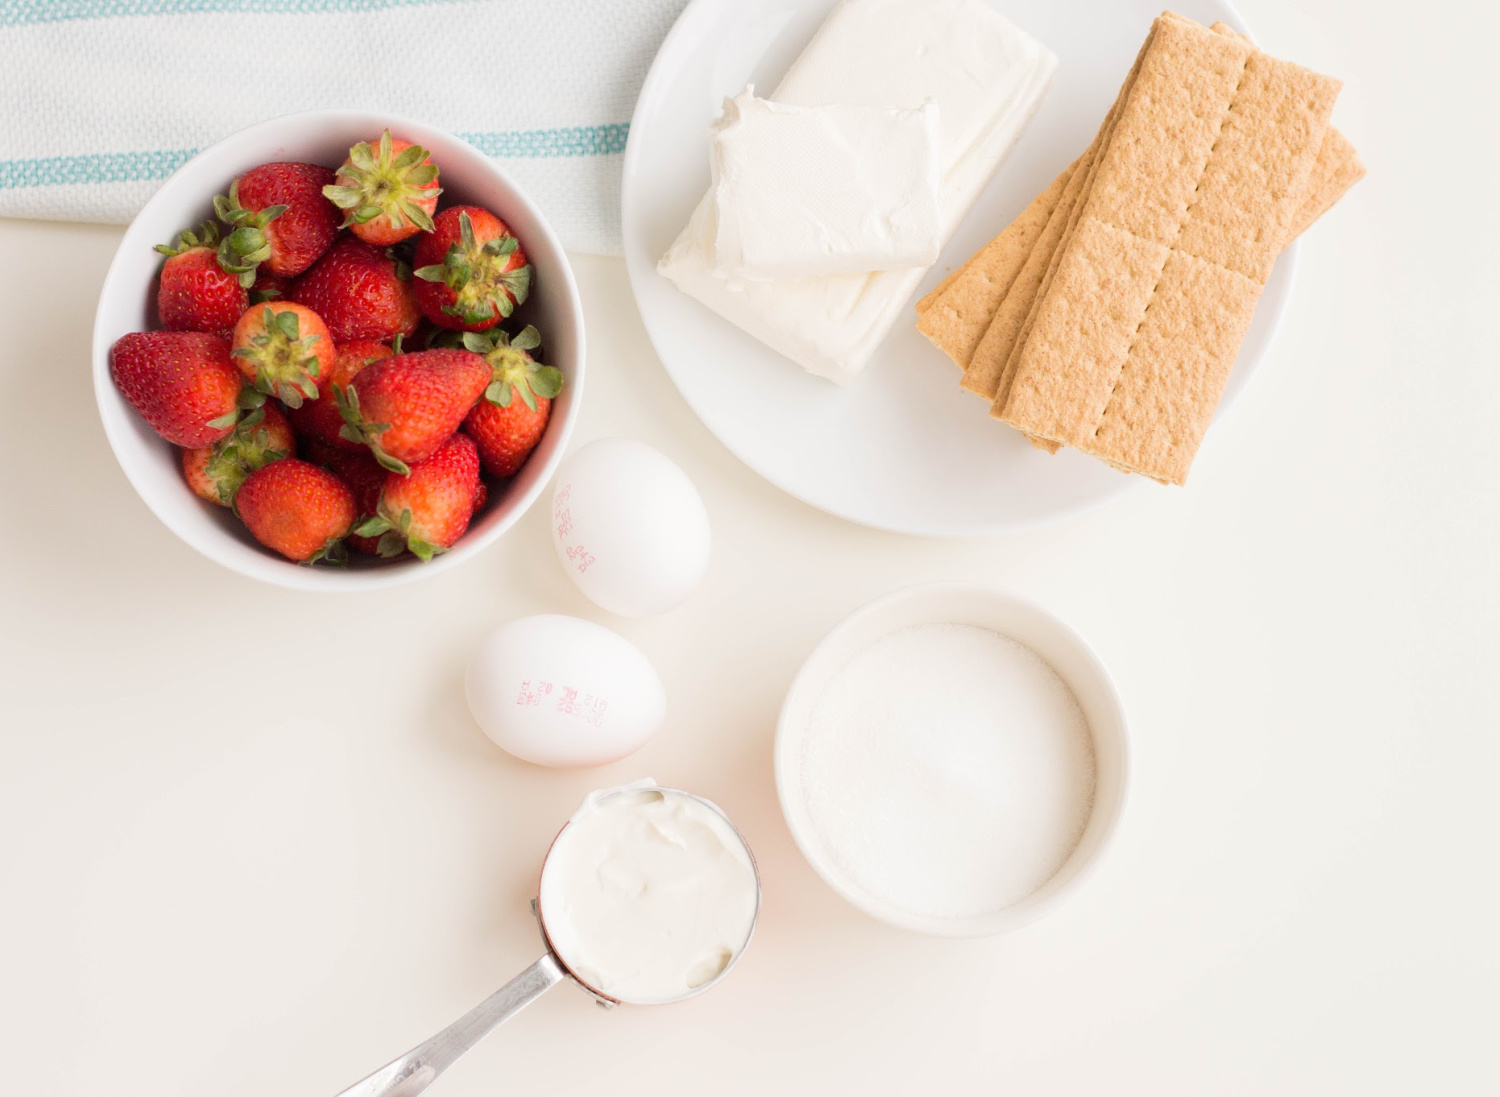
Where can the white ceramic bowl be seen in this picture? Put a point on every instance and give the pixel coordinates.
(323, 137)
(957, 603)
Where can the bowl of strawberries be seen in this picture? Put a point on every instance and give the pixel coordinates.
(339, 350)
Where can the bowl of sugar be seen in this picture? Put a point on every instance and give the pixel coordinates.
(952, 759)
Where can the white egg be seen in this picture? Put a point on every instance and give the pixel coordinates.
(629, 527)
(561, 691)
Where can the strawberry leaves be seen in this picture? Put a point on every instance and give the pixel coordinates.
(238, 254)
(205, 236)
(383, 183)
(284, 362)
(396, 537)
(355, 429)
(249, 400)
(516, 373)
(246, 246)
(484, 286)
(334, 553)
(242, 251)
(236, 456)
(517, 283)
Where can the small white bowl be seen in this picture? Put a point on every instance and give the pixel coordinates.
(126, 304)
(963, 604)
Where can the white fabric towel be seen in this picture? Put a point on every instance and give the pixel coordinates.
(105, 98)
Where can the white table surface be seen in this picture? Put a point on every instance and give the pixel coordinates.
(251, 842)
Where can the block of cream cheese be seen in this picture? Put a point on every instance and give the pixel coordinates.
(985, 76)
(836, 189)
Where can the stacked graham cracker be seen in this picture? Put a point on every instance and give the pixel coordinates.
(1107, 316)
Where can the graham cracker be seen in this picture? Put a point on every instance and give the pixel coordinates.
(983, 374)
(1192, 196)
(925, 303)
(960, 310)
(1008, 370)
(1338, 168)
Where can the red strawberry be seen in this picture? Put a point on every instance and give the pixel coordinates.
(388, 192)
(365, 478)
(283, 349)
(320, 418)
(360, 292)
(268, 287)
(196, 292)
(182, 383)
(430, 509)
(481, 496)
(300, 510)
(404, 407)
(319, 453)
(216, 472)
(471, 272)
(511, 418)
(279, 218)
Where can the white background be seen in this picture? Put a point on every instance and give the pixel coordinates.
(250, 841)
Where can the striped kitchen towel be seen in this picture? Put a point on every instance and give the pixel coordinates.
(105, 98)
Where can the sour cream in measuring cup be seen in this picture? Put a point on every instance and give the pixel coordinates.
(649, 894)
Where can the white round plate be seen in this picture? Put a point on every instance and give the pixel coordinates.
(902, 447)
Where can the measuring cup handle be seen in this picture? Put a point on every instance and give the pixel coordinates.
(415, 1071)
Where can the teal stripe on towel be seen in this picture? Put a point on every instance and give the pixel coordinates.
(20, 12)
(128, 167)
(100, 167)
(546, 144)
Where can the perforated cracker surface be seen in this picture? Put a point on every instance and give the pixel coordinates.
(1194, 194)
(960, 314)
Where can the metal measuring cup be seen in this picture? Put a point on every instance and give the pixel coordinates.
(418, 1068)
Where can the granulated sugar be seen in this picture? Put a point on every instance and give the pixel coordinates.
(948, 770)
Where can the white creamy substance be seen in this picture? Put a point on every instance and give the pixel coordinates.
(823, 190)
(648, 894)
(948, 771)
(985, 76)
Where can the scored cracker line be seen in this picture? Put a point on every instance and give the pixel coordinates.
(1172, 247)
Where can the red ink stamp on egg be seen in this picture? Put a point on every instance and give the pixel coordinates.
(560, 512)
(580, 556)
(532, 695)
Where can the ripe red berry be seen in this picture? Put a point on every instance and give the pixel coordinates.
(511, 418)
(216, 472)
(181, 382)
(406, 406)
(298, 509)
(280, 220)
(195, 292)
(470, 271)
(320, 419)
(284, 350)
(360, 292)
(427, 511)
(387, 191)
(365, 479)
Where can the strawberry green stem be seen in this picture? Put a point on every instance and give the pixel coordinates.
(357, 430)
(385, 184)
(285, 362)
(246, 246)
(483, 288)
